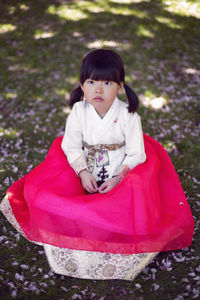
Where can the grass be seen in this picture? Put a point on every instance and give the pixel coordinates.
(41, 47)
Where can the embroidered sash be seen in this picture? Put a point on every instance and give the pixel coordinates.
(95, 150)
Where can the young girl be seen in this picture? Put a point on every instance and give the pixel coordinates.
(106, 199)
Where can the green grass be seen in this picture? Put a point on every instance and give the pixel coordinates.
(42, 44)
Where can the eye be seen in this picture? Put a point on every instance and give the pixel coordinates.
(90, 82)
(107, 82)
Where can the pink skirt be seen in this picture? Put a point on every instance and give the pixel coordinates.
(146, 212)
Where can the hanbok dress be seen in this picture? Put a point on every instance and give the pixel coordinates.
(102, 236)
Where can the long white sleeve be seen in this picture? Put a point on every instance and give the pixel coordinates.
(73, 142)
(135, 152)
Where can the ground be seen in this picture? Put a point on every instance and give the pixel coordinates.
(41, 47)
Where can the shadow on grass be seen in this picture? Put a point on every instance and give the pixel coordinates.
(41, 48)
(47, 35)
(43, 43)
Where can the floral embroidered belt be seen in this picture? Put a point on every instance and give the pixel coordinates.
(99, 153)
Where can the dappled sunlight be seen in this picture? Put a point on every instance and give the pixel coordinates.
(78, 10)
(42, 44)
(127, 12)
(96, 9)
(11, 10)
(39, 99)
(65, 12)
(61, 92)
(101, 43)
(91, 6)
(191, 71)
(77, 34)
(10, 95)
(169, 146)
(22, 68)
(129, 78)
(120, 11)
(183, 7)
(102, 6)
(154, 102)
(66, 110)
(24, 7)
(9, 132)
(144, 31)
(127, 1)
(72, 79)
(169, 22)
(43, 35)
(4, 28)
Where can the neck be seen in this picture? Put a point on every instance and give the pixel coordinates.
(101, 114)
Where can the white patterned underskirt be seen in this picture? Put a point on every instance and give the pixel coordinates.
(86, 264)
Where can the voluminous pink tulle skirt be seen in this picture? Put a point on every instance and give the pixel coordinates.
(146, 212)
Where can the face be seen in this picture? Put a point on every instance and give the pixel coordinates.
(100, 94)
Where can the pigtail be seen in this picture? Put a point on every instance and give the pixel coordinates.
(76, 95)
(132, 99)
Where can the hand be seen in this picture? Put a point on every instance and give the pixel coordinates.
(88, 181)
(109, 184)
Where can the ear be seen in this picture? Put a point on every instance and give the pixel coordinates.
(120, 87)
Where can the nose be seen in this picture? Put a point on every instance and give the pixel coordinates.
(99, 87)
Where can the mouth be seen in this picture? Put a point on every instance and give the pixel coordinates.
(98, 99)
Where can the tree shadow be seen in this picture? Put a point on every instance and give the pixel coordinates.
(43, 42)
(42, 48)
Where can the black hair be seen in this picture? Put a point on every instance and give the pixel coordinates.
(106, 65)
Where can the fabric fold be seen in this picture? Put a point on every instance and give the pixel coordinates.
(146, 212)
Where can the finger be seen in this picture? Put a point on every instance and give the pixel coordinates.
(88, 188)
(105, 190)
(103, 186)
(91, 191)
(91, 187)
(95, 186)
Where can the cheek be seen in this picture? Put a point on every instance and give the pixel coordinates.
(86, 90)
(114, 91)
